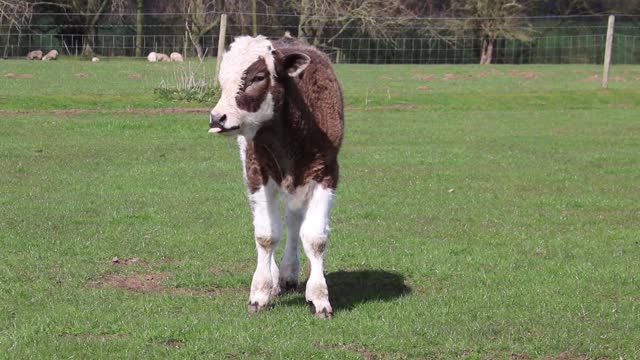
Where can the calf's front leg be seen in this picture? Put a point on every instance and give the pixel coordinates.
(268, 231)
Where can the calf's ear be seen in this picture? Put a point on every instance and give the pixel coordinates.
(293, 64)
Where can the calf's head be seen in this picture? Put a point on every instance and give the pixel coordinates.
(252, 74)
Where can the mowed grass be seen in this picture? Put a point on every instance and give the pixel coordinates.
(483, 213)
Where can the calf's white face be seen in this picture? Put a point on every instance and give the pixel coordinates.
(248, 76)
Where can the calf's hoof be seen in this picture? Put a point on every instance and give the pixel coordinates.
(289, 285)
(324, 313)
(254, 307)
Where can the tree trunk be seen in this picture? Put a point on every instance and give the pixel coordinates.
(198, 47)
(195, 40)
(254, 17)
(487, 51)
(91, 20)
(185, 44)
(304, 5)
(139, 18)
(90, 42)
(300, 34)
(6, 46)
(318, 31)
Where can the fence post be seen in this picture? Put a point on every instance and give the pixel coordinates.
(607, 52)
(223, 30)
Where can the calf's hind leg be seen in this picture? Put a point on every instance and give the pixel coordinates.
(314, 233)
(290, 263)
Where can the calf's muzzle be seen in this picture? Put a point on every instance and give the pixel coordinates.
(216, 124)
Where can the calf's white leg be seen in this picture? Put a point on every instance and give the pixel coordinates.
(290, 263)
(268, 230)
(314, 233)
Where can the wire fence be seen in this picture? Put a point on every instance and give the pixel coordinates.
(535, 40)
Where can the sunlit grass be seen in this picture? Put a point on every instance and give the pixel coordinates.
(484, 217)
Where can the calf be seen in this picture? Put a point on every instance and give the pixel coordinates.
(284, 103)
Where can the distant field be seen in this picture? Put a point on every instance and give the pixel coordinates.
(483, 213)
(119, 84)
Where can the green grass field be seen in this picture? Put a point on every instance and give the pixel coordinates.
(483, 213)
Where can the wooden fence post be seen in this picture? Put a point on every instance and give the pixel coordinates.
(223, 31)
(607, 52)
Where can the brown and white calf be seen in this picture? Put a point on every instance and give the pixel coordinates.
(284, 103)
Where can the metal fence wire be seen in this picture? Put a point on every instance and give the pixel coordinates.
(540, 40)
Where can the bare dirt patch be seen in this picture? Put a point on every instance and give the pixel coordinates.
(71, 111)
(116, 261)
(448, 76)
(81, 75)
(93, 111)
(481, 75)
(54, 112)
(134, 260)
(425, 77)
(135, 76)
(152, 282)
(495, 72)
(383, 107)
(592, 78)
(18, 76)
(567, 355)
(526, 75)
(174, 343)
(366, 354)
(166, 111)
(423, 88)
(596, 78)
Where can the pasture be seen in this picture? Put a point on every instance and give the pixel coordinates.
(483, 213)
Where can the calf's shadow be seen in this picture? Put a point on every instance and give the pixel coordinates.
(347, 289)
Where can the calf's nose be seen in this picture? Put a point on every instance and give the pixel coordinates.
(216, 123)
(217, 120)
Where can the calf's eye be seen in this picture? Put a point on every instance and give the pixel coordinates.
(259, 77)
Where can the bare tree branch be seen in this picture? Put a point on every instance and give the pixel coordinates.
(15, 13)
(492, 19)
(91, 12)
(328, 19)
